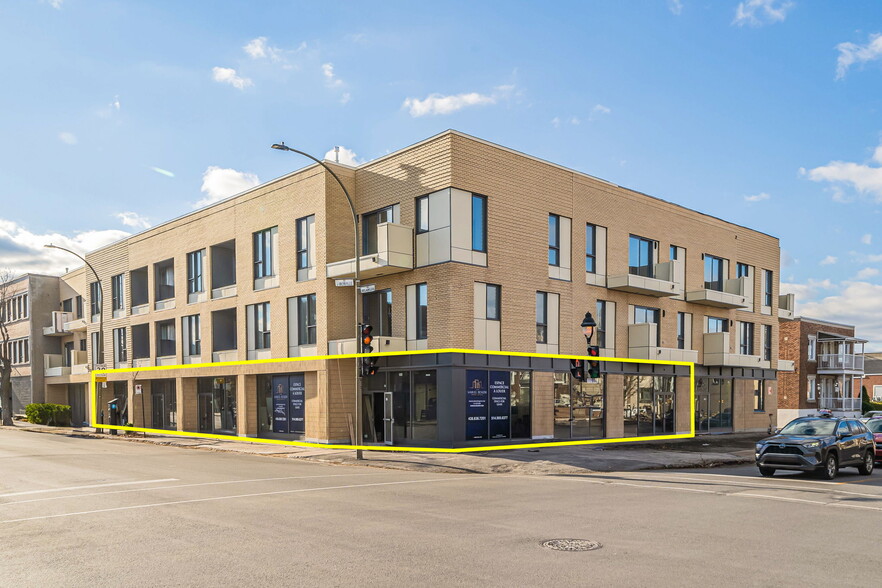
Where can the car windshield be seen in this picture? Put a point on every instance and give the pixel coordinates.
(875, 425)
(810, 427)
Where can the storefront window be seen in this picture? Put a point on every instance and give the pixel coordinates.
(425, 404)
(648, 405)
(281, 402)
(497, 404)
(217, 405)
(578, 408)
(164, 403)
(713, 404)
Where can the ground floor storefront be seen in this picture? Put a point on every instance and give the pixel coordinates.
(435, 400)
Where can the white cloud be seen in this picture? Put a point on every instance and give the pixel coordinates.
(600, 109)
(23, 251)
(330, 79)
(810, 289)
(115, 103)
(259, 49)
(867, 239)
(575, 120)
(163, 172)
(133, 219)
(56, 4)
(675, 6)
(555, 122)
(857, 303)
(757, 197)
(866, 179)
(867, 272)
(440, 104)
(347, 156)
(759, 12)
(220, 182)
(851, 53)
(787, 260)
(228, 75)
(829, 260)
(67, 137)
(344, 99)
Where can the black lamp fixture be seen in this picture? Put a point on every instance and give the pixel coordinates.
(588, 326)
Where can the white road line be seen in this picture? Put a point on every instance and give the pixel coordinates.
(757, 483)
(216, 498)
(45, 490)
(187, 486)
(783, 498)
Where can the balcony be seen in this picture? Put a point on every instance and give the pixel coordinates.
(380, 345)
(840, 363)
(394, 255)
(642, 345)
(786, 365)
(731, 296)
(56, 329)
(664, 282)
(786, 304)
(716, 353)
(839, 404)
(75, 325)
(53, 365)
(142, 362)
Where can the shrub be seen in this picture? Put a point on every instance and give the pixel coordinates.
(48, 414)
(866, 404)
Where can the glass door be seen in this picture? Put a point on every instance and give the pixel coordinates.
(562, 414)
(206, 413)
(158, 410)
(388, 418)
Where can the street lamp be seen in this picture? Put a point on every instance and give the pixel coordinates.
(588, 326)
(100, 353)
(357, 432)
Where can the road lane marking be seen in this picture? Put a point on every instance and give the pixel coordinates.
(187, 486)
(758, 483)
(45, 490)
(784, 498)
(216, 498)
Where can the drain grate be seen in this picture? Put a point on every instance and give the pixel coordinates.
(571, 545)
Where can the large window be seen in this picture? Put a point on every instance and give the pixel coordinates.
(195, 282)
(369, 228)
(681, 330)
(497, 404)
(745, 338)
(553, 239)
(422, 311)
(713, 273)
(377, 311)
(812, 348)
(15, 309)
(717, 325)
(260, 318)
(191, 327)
(95, 299)
(422, 214)
(117, 293)
(590, 249)
(742, 270)
(263, 253)
(120, 349)
(759, 399)
(165, 280)
(306, 326)
(165, 338)
(494, 302)
(642, 315)
(768, 281)
(641, 254)
(479, 223)
(541, 317)
(648, 405)
(767, 342)
(303, 243)
(600, 329)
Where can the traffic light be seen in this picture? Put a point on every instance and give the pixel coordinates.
(368, 364)
(593, 364)
(577, 368)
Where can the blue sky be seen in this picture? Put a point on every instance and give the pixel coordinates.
(767, 113)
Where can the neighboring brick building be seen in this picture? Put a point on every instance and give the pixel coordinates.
(469, 245)
(872, 380)
(827, 368)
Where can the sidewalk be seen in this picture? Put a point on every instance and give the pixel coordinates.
(700, 452)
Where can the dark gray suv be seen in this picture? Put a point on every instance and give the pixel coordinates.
(818, 444)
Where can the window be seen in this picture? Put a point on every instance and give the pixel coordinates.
(742, 270)
(369, 228)
(422, 312)
(640, 256)
(759, 399)
(681, 330)
(260, 318)
(119, 344)
(877, 393)
(306, 328)
(17, 351)
(263, 253)
(16, 308)
(673, 253)
(767, 342)
(165, 338)
(591, 249)
(78, 303)
(812, 347)
(165, 280)
(303, 243)
(713, 273)
(422, 214)
(717, 325)
(195, 272)
(192, 331)
(494, 302)
(479, 223)
(541, 317)
(643, 315)
(553, 239)
(600, 329)
(67, 305)
(768, 278)
(95, 298)
(745, 338)
(116, 293)
(810, 389)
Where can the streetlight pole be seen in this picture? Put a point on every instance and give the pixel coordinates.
(357, 428)
(100, 353)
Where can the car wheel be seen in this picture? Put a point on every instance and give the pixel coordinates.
(767, 472)
(866, 467)
(831, 467)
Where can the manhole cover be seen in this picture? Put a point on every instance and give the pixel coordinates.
(571, 545)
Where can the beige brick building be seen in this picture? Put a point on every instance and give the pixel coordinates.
(467, 245)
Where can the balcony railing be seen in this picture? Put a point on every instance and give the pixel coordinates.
(57, 328)
(786, 304)
(732, 294)
(642, 340)
(394, 254)
(716, 352)
(663, 280)
(53, 365)
(840, 362)
(835, 403)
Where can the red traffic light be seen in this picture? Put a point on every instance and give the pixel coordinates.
(593, 351)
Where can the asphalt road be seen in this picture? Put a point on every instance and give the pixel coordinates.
(93, 512)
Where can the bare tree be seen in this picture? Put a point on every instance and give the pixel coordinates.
(6, 277)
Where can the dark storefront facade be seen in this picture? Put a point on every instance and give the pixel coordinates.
(281, 406)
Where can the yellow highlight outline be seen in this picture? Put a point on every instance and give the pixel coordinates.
(690, 435)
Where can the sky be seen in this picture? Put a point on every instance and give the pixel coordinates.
(118, 115)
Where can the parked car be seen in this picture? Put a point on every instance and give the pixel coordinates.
(872, 414)
(875, 427)
(818, 444)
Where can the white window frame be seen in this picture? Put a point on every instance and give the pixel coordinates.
(811, 388)
(812, 348)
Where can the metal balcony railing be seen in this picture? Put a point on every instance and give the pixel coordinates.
(840, 361)
(835, 403)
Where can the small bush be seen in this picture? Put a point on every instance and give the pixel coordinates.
(866, 404)
(48, 414)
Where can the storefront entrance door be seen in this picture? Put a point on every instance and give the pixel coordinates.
(158, 410)
(388, 418)
(206, 412)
